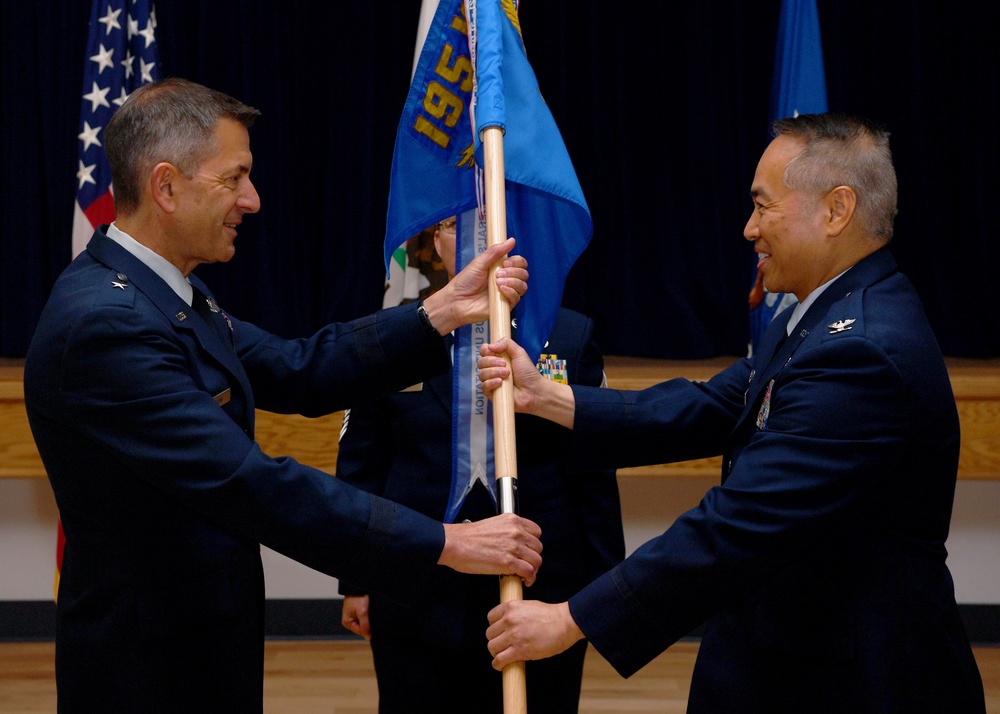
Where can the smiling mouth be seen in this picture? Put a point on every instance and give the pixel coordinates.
(761, 257)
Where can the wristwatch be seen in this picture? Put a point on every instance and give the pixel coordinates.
(425, 320)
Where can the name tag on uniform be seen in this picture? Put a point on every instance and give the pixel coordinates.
(222, 397)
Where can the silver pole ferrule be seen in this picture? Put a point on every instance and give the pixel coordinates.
(507, 494)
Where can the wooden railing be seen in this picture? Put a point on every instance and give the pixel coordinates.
(314, 441)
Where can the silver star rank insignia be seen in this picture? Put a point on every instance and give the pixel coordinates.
(841, 325)
(116, 284)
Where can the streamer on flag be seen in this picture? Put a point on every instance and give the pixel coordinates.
(121, 55)
(798, 86)
(471, 411)
(435, 175)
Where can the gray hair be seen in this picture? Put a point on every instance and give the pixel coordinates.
(171, 120)
(841, 150)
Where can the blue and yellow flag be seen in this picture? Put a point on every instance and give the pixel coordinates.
(435, 176)
(798, 86)
(433, 171)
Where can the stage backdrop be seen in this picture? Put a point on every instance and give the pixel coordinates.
(662, 108)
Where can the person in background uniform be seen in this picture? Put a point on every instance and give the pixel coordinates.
(428, 650)
(141, 393)
(819, 562)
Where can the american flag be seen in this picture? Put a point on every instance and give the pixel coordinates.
(121, 56)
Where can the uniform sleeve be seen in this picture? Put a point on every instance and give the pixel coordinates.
(342, 364)
(135, 388)
(672, 421)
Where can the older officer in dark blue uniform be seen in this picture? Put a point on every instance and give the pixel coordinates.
(819, 562)
(141, 393)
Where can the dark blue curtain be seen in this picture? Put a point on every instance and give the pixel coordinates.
(663, 107)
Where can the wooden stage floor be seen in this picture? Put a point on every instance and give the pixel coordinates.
(336, 677)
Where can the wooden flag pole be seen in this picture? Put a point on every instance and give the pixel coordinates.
(504, 442)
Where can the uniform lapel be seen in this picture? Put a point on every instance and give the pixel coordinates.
(214, 333)
(774, 352)
(212, 328)
(207, 308)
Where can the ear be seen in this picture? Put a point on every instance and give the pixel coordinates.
(840, 205)
(163, 185)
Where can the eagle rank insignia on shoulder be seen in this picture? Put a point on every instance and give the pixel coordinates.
(841, 325)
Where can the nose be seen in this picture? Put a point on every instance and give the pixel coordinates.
(751, 229)
(249, 200)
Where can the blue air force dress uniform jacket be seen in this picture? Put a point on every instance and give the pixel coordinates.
(819, 562)
(399, 446)
(143, 413)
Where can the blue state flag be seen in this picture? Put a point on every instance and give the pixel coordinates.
(433, 174)
(798, 86)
